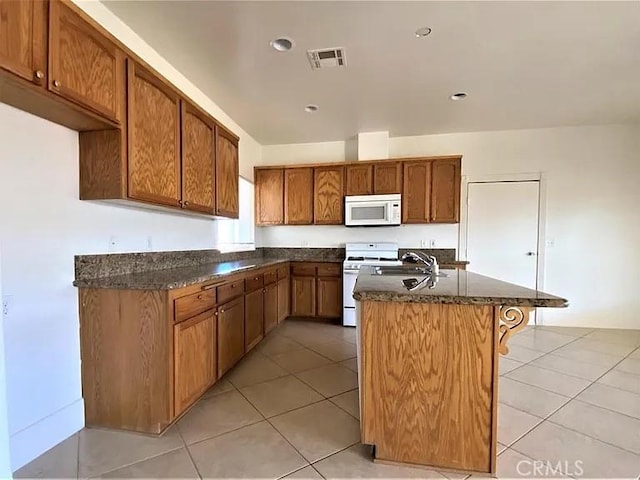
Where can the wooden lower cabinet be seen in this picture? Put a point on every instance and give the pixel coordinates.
(284, 297)
(230, 334)
(303, 296)
(253, 318)
(270, 307)
(194, 363)
(329, 297)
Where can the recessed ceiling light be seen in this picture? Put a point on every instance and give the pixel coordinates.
(282, 44)
(311, 108)
(423, 32)
(458, 96)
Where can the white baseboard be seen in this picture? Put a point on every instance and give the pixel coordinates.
(36, 439)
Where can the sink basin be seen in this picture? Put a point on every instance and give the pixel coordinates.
(406, 271)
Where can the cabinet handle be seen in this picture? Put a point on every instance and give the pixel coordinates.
(39, 74)
(56, 83)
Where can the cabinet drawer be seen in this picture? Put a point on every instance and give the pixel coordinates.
(329, 270)
(303, 269)
(283, 271)
(191, 305)
(254, 282)
(230, 290)
(270, 277)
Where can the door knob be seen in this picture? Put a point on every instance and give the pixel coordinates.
(56, 83)
(531, 254)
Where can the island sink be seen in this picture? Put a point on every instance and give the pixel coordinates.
(428, 365)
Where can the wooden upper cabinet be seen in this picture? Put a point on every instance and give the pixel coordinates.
(23, 39)
(387, 178)
(298, 196)
(416, 192)
(153, 138)
(359, 179)
(328, 195)
(227, 174)
(84, 66)
(445, 191)
(194, 358)
(198, 160)
(269, 185)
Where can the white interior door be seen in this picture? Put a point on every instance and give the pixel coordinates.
(502, 230)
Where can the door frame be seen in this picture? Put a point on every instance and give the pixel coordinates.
(542, 217)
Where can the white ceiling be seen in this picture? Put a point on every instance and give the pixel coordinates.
(524, 64)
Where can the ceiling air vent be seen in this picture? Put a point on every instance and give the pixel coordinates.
(327, 57)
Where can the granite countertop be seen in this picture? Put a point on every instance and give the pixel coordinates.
(457, 287)
(171, 278)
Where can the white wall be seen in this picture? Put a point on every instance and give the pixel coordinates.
(43, 225)
(592, 197)
(5, 457)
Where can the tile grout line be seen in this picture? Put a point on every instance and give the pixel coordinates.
(186, 447)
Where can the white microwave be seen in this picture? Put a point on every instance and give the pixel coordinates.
(372, 210)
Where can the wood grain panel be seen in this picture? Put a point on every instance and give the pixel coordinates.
(84, 66)
(198, 160)
(270, 276)
(126, 347)
(102, 164)
(429, 386)
(253, 318)
(328, 195)
(230, 290)
(359, 179)
(416, 192)
(284, 298)
(194, 359)
(23, 40)
(329, 297)
(270, 307)
(230, 334)
(298, 196)
(387, 178)
(254, 282)
(154, 138)
(269, 202)
(191, 305)
(445, 191)
(227, 171)
(303, 296)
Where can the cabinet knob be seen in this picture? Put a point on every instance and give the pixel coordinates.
(56, 83)
(39, 74)
(200, 297)
(185, 203)
(221, 311)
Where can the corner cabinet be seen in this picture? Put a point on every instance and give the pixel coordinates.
(227, 174)
(154, 138)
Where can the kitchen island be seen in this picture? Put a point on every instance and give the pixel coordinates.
(428, 351)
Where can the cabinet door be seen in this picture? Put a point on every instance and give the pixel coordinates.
(445, 191)
(253, 318)
(270, 307)
(284, 295)
(154, 138)
(329, 297)
(226, 174)
(23, 40)
(328, 195)
(198, 160)
(84, 66)
(416, 192)
(230, 334)
(359, 179)
(194, 358)
(298, 196)
(269, 186)
(387, 178)
(303, 296)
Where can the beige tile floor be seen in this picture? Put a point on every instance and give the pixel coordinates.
(290, 409)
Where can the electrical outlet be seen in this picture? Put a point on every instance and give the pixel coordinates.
(424, 243)
(305, 243)
(7, 304)
(113, 243)
(432, 244)
(550, 243)
(149, 243)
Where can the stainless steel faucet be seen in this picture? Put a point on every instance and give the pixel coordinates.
(428, 260)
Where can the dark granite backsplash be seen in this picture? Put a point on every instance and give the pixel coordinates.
(105, 265)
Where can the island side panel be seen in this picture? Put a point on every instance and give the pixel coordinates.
(125, 350)
(429, 390)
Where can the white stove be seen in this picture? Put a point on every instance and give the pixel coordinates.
(358, 255)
